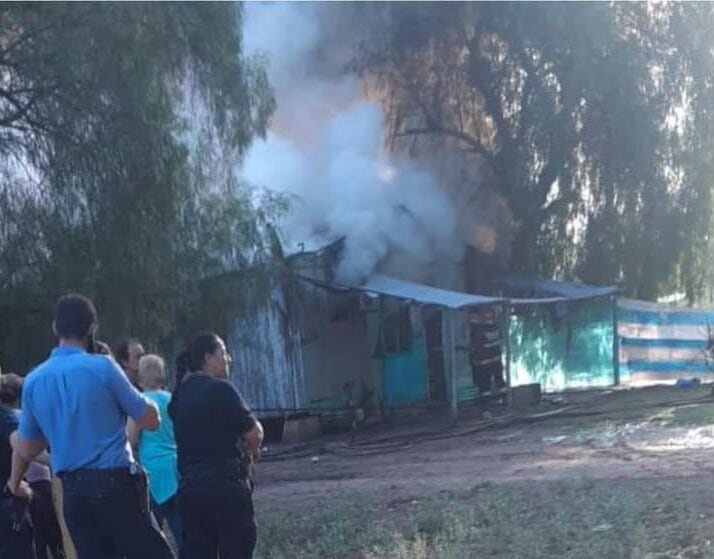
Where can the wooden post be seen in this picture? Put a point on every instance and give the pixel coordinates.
(449, 337)
(506, 337)
(615, 343)
(422, 318)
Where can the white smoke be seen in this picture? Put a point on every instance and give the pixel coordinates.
(325, 152)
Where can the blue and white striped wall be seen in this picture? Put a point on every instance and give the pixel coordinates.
(662, 343)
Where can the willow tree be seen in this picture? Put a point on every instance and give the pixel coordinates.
(593, 118)
(120, 127)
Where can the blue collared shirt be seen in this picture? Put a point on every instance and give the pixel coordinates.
(78, 403)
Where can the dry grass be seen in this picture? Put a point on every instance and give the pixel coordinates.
(533, 520)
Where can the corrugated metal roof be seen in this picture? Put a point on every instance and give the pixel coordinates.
(545, 291)
(540, 291)
(393, 287)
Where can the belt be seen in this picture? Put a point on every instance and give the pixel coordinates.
(96, 474)
(97, 484)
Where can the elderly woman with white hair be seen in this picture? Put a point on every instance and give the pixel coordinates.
(157, 449)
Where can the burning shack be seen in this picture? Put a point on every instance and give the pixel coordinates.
(318, 346)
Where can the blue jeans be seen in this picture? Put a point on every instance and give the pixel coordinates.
(169, 511)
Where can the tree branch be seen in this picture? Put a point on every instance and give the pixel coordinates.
(21, 111)
(26, 37)
(474, 145)
(435, 126)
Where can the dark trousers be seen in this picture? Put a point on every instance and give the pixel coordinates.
(482, 375)
(107, 514)
(48, 536)
(217, 519)
(15, 529)
(169, 511)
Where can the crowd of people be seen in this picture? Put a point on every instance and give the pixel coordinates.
(98, 458)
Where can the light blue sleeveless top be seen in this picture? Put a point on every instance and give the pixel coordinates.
(157, 451)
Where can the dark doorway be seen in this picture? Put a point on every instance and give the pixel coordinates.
(435, 355)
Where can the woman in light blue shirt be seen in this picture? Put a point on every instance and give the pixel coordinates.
(157, 449)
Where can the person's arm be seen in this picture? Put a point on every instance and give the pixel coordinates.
(150, 421)
(27, 443)
(133, 433)
(23, 453)
(137, 407)
(250, 429)
(254, 438)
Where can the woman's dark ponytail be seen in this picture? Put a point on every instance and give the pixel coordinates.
(190, 360)
(183, 367)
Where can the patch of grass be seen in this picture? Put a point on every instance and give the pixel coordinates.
(699, 415)
(696, 415)
(534, 520)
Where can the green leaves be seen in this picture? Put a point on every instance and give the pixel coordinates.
(571, 108)
(133, 193)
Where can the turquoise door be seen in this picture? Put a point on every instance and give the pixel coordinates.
(404, 375)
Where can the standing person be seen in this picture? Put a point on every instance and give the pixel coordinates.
(39, 511)
(128, 353)
(485, 354)
(212, 424)
(78, 403)
(46, 528)
(157, 449)
(16, 534)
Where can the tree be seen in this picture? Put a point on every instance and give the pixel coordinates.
(120, 127)
(575, 110)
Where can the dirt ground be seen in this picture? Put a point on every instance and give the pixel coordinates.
(656, 433)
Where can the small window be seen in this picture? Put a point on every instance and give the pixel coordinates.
(397, 332)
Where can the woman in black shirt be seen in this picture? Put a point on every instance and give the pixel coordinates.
(214, 430)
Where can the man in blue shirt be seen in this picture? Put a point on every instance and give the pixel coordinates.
(78, 403)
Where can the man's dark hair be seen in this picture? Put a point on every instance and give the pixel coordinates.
(74, 316)
(121, 351)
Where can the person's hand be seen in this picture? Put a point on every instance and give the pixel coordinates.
(252, 454)
(21, 490)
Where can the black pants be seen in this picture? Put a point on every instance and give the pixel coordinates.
(107, 515)
(15, 529)
(168, 511)
(217, 519)
(482, 375)
(48, 535)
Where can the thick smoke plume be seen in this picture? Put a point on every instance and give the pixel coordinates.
(325, 151)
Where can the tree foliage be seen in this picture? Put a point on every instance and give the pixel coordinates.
(593, 118)
(120, 127)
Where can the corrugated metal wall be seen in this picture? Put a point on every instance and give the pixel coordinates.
(307, 347)
(562, 345)
(338, 341)
(267, 357)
